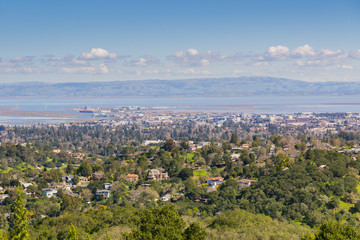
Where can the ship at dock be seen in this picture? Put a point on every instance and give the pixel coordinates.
(87, 110)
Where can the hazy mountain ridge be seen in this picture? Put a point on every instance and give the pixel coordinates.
(243, 86)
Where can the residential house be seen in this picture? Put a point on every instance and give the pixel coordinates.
(107, 186)
(26, 185)
(78, 155)
(158, 175)
(49, 192)
(84, 179)
(72, 194)
(2, 198)
(322, 166)
(145, 185)
(244, 183)
(103, 194)
(132, 178)
(201, 200)
(98, 176)
(166, 198)
(212, 183)
(68, 179)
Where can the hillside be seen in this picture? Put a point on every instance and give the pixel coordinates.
(243, 86)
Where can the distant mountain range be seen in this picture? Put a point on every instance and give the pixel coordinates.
(243, 86)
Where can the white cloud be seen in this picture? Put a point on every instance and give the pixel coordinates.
(145, 61)
(88, 70)
(103, 69)
(236, 71)
(97, 54)
(188, 71)
(261, 64)
(194, 58)
(140, 62)
(275, 61)
(314, 63)
(151, 72)
(192, 71)
(204, 62)
(277, 51)
(329, 52)
(346, 67)
(192, 51)
(355, 54)
(28, 70)
(21, 59)
(178, 54)
(303, 51)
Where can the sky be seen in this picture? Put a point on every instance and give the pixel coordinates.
(118, 40)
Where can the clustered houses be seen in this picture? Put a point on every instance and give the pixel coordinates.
(311, 124)
(316, 123)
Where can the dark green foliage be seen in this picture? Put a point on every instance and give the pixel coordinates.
(191, 190)
(70, 204)
(159, 223)
(337, 231)
(185, 144)
(234, 139)
(275, 139)
(85, 169)
(169, 145)
(195, 232)
(186, 173)
(19, 224)
(300, 191)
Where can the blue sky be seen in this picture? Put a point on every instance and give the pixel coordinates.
(58, 41)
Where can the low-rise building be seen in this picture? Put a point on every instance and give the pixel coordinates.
(2, 198)
(212, 183)
(103, 194)
(158, 175)
(132, 178)
(243, 183)
(49, 192)
(107, 186)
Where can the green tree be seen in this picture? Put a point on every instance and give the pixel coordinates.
(108, 236)
(186, 173)
(69, 203)
(185, 144)
(76, 179)
(195, 232)
(3, 235)
(19, 224)
(336, 231)
(69, 168)
(73, 233)
(275, 139)
(169, 145)
(159, 223)
(85, 169)
(282, 161)
(234, 139)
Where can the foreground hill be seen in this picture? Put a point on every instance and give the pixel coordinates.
(243, 86)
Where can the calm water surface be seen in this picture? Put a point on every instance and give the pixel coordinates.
(253, 104)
